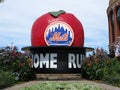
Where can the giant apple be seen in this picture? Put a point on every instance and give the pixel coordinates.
(57, 29)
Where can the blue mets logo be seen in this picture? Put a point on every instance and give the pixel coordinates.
(59, 33)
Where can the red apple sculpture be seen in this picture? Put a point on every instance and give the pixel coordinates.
(57, 29)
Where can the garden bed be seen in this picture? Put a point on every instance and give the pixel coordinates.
(61, 86)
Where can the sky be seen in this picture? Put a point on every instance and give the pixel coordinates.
(18, 16)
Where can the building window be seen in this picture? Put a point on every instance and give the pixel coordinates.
(118, 14)
(112, 17)
(118, 17)
(112, 25)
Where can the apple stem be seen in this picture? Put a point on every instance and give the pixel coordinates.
(56, 14)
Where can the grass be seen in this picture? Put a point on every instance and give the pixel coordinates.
(61, 86)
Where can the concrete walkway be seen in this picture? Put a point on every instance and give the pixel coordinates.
(101, 85)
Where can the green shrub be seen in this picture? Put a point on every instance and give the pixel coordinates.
(101, 67)
(15, 61)
(93, 65)
(22, 69)
(93, 69)
(6, 79)
(112, 73)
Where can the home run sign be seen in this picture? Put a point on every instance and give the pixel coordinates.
(57, 59)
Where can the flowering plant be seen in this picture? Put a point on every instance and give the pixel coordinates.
(93, 66)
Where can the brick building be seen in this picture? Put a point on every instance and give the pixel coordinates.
(113, 12)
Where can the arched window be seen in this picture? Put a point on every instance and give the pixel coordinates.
(112, 17)
(118, 14)
(112, 25)
(118, 17)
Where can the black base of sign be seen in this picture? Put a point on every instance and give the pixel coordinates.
(56, 60)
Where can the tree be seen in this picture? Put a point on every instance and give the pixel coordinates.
(1, 1)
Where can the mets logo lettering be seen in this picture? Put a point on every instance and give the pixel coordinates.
(59, 33)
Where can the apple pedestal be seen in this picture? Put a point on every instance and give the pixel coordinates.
(60, 59)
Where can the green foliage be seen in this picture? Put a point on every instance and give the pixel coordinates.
(93, 70)
(6, 79)
(101, 67)
(61, 86)
(112, 73)
(22, 69)
(19, 70)
(1, 1)
(15, 65)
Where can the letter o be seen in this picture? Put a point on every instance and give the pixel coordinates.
(36, 61)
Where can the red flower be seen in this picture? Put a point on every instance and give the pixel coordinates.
(89, 65)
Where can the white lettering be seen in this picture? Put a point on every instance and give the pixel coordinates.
(53, 60)
(48, 60)
(44, 60)
(78, 60)
(36, 60)
(71, 58)
(75, 60)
